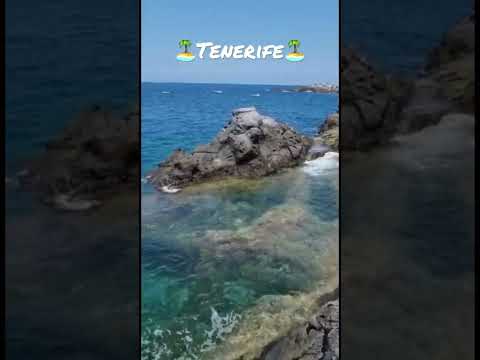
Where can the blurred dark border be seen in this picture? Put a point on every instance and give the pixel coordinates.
(407, 213)
(72, 110)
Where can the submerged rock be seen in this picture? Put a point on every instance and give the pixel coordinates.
(250, 146)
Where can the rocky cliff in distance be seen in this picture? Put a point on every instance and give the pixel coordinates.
(318, 88)
(250, 145)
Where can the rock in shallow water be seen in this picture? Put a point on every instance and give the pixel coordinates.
(251, 145)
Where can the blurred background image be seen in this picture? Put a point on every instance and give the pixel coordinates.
(407, 179)
(71, 166)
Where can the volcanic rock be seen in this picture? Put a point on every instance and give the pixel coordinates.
(251, 145)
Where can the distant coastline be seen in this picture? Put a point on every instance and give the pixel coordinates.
(297, 86)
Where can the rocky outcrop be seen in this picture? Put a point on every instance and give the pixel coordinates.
(250, 145)
(328, 133)
(327, 138)
(448, 83)
(95, 156)
(317, 339)
(371, 103)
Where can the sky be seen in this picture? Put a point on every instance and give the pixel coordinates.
(257, 22)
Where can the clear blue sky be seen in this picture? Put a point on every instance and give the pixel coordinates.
(256, 22)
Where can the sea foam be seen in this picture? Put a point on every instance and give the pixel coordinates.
(325, 164)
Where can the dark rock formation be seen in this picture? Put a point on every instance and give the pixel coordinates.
(376, 107)
(370, 105)
(97, 154)
(251, 145)
(452, 65)
(318, 339)
(448, 85)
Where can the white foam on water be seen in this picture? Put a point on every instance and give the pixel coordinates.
(165, 92)
(218, 91)
(220, 326)
(170, 190)
(257, 94)
(325, 164)
(154, 339)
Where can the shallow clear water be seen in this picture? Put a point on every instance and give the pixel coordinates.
(211, 252)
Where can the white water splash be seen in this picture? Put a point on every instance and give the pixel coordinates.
(325, 164)
(170, 190)
(220, 326)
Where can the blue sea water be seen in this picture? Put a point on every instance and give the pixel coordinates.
(192, 291)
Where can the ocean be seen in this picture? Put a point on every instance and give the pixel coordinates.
(194, 292)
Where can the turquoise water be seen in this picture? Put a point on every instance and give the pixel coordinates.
(211, 253)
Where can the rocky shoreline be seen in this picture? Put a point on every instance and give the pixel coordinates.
(318, 338)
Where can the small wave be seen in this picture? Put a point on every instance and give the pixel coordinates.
(181, 343)
(322, 165)
(285, 91)
(166, 92)
(170, 190)
(218, 91)
(257, 94)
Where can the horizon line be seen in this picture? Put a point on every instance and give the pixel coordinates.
(226, 83)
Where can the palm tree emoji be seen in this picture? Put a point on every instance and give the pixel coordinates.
(295, 43)
(185, 44)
